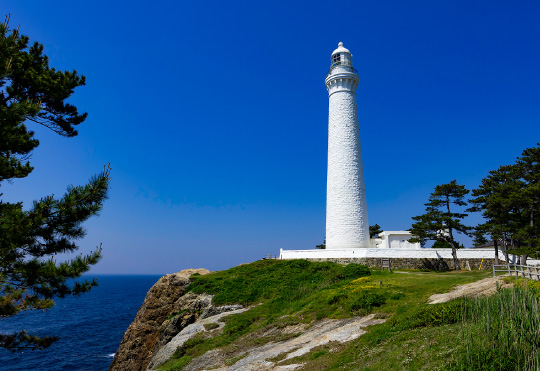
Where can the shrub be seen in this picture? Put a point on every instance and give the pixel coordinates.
(355, 271)
(397, 295)
(336, 298)
(185, 348)
(433, 315)
(368, 299)
(318, 354)
(210, 326)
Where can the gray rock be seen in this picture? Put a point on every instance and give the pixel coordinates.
(213, 311)
(143, 334)
(167, 351)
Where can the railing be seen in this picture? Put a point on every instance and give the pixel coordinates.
(525, 271)
(349, 68)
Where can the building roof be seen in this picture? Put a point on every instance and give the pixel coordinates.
(483, 246)
(341, 49)
(389, 233)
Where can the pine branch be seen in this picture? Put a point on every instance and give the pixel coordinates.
(22, 340)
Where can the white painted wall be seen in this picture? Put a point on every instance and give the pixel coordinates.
(395, 253)
(397, 240)
(375, 243)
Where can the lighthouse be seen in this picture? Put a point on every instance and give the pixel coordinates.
(346, 210)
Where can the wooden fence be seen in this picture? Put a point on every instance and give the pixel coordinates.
(525, 271)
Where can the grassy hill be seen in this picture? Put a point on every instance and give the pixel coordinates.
(499, 332)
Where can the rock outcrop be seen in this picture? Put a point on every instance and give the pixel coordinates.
(211, 316)
(156, 323)
(169, 317)
(485, 287)
(267, 357)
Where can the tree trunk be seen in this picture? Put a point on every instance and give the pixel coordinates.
(506, 256)
(531, 223)
(496, 251)
(451, 236)
(454, 250)
(505, 247)
(456, 261)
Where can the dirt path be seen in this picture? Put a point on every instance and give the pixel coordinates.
(484, 287)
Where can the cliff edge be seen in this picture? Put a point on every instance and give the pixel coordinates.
(152, 327)
(296, 314)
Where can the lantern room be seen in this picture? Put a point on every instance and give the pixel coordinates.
(341, 57)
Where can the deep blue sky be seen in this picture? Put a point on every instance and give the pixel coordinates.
(213, 115)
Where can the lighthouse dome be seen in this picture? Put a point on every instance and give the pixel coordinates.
(341, 49)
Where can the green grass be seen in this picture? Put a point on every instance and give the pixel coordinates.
(418, 336)
(500, 332)
(176, 363)
(210, 326)
(285, 293)
(287, 280)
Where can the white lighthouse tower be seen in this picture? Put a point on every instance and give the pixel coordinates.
(346, 210)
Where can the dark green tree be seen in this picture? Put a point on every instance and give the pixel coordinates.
(508, 199)
(441, 245)
(440, 223)
(479, 236)
(322, 246)
(493, 198)
(374, 230)
(528, 168)
(31, 92)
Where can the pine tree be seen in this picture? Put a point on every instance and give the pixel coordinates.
(30, 276)
(494, 199)
(374, 230)
(509, 200)
(479, 236)
(528, 166)
(439, 222)
(441, 245)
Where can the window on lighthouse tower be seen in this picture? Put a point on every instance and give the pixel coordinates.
(336, 59)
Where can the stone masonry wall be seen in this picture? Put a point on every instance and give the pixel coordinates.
(408, 263)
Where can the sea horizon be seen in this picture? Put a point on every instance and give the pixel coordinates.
(90, 327)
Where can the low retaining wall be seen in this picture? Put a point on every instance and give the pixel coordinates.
(411, 263)
(403, 258)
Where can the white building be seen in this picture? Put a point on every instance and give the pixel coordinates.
(346, 210)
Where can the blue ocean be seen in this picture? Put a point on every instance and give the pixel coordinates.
(90, 327)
